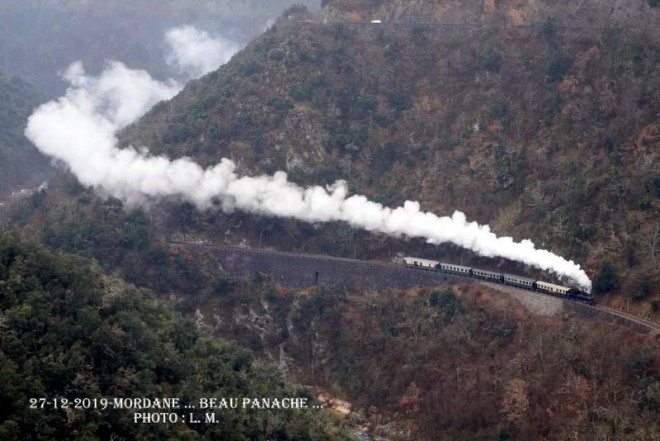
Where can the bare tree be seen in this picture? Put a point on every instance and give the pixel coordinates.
(515, 402)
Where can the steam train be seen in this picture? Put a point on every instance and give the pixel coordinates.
(503, 278)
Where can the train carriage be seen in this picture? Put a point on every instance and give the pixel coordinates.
(456, 269)
(487, 275)
(507, 279)
(551, 288)
(416, 262)
(523, 282)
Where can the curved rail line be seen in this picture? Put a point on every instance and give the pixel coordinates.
(651, 325)
(263, 251)
(639, 321)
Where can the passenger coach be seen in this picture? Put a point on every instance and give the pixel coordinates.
(505, 279)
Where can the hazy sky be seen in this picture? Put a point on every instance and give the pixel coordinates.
(41, 38)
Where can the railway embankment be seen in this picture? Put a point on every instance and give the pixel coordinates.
(305, 270)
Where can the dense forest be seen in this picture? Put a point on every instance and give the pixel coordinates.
(67, 330)
(453, 362)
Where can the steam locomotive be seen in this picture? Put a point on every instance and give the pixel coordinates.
(505, 279)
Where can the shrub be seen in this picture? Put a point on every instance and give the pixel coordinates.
(643, 289)
(250, 68)
(385, 157)
(502, 331)
(398, 100)
(644, 202)
(558, 66)
(446, 300)
(654, 184)
(418, 31)
(549, 31)
(607, 279)
(490, 61)
(367, 102)
(640, 362)
(499, 110)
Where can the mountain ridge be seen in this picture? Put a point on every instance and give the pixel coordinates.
(582, 13)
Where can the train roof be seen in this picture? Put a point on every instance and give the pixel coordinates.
(487, 271)
(455, 266)
(514, 276)
(551, 285)
(419, 259)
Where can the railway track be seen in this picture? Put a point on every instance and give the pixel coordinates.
(649, 325)
(263, 252)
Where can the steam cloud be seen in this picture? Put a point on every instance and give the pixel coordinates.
(79, 129)
(196, 52)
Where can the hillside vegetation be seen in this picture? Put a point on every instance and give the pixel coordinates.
(541, 132)
(451, 363)
(418, 362)
(67, 330)
(21, 165)
(576, 13)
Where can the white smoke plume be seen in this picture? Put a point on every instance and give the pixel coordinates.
(79, 129)
(197, 52)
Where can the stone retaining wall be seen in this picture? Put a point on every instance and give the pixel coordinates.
(301, 271)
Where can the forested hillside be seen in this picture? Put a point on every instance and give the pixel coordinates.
(67, 330)
(452, 363)
(21, 165)
(541, 131)
(416, 362)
